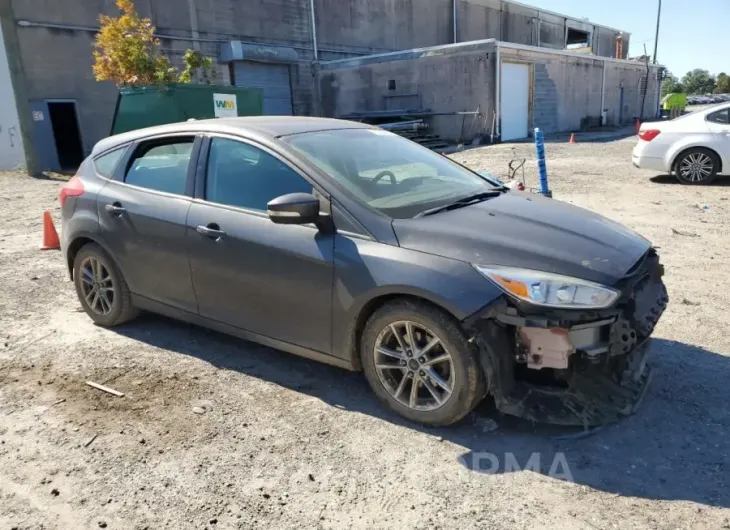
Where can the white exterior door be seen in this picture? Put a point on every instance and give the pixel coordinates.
(515, 100)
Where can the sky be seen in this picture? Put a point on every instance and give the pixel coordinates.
(692, 33)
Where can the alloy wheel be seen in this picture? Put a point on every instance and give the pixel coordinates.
(97, 286)
(696, 167)
(414, 366)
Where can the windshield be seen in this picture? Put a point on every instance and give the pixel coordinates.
(387, 172)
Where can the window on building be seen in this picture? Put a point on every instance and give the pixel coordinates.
(161, 165)
(576, 39)
(242, 175)
(107, 163)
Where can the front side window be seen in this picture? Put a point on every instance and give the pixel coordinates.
(161, 165)
(106, 163)
(245, 176)
(387, 172)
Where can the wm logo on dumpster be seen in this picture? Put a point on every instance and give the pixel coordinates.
(225, 105)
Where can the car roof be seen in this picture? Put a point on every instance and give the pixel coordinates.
(267, 126)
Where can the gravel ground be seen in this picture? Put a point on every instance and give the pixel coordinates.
(218, 433)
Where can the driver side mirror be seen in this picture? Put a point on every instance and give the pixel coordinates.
(294, 209)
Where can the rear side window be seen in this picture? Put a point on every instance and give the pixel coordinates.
(107, 163)
(161, 165)
(721, 116)
(242, 175)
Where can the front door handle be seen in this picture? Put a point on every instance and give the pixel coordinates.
(115, 209)
(212, 231)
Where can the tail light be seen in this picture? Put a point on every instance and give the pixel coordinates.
(73, 188)
(649, 134)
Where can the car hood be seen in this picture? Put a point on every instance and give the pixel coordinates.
(528, 231)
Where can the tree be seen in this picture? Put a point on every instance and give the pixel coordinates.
(698, 81)
(723, 84)
(196, 64)
(128, 53)
(671, 85)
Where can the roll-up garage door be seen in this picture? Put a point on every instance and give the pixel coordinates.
(272, 78)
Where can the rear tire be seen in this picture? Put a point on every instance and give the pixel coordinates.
(696, 166)
(437, 359)
(101, 288)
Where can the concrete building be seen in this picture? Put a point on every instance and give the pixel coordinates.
(12, 154)
(514, 88)
(269, 43)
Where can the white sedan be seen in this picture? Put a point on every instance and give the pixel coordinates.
(694, 147)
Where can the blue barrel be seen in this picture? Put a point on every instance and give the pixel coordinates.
(541, 166)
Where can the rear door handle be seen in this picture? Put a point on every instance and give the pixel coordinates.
(115, 209)
(212, 231)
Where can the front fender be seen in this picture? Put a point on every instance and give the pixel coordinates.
(368, 272)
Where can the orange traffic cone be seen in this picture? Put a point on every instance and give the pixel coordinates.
(572, 139)
(50, 236)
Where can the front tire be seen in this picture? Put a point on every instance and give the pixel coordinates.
(697, 166)
(419, 363)
(101, 288)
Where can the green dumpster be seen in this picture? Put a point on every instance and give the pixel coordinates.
(141, 107)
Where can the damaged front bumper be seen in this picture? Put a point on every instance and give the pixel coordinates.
(572, 367)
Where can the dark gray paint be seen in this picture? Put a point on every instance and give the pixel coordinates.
(302, 288)
(148, 242)
(274, 280)
(528, 231)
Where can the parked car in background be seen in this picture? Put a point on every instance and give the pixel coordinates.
(348, 244)
(694, 147)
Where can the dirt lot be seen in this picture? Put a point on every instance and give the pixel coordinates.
(283, 442)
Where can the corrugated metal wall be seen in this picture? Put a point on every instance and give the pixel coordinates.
(273, 79)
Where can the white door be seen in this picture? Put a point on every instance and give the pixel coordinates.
(515, 95)
(718, 123)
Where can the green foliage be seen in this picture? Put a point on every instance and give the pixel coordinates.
(698, 81)
(723, 84)
(197, 65)
(671, 85)
(128, 53)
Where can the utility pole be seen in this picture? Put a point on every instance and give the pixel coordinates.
(656, 37)
(17, 78)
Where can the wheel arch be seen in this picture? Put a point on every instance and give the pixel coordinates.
(683, 150)
(79, 242)
(367, 308)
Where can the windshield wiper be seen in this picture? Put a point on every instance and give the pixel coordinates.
(466, 201)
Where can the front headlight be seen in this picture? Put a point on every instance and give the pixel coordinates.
(547, 289)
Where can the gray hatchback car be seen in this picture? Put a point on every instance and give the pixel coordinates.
(347, 244)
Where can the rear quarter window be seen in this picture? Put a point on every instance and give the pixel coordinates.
(107, 163)
(721, 116)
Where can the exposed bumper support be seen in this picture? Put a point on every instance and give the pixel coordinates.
(595, 362)
(592, 396)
